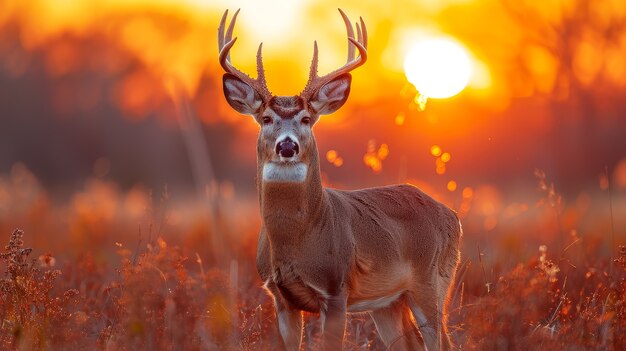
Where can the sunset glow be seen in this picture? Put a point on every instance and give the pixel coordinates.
(137, 184)
(438, 68)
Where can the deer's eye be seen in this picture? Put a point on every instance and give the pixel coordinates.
(267, 120)
(306, 120)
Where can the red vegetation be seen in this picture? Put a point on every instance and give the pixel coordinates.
(157, 299)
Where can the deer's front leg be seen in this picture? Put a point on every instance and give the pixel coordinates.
(289, 319)
(289, 325)
(334, 322)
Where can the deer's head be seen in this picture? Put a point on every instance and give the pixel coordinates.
(286, 146)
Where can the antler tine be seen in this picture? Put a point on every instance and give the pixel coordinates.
(225, 57)
(226, 41)
(315, 82)
(231, 27)
(360, 60)
(314, 63)
(364, 32)
(260, 77)
(346, 20)
(220, 31)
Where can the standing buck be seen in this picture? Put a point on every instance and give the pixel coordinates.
(391, 251)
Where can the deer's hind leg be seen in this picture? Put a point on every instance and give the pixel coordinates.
(428, 303)
(396, 328)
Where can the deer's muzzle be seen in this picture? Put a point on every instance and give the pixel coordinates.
(287, 148)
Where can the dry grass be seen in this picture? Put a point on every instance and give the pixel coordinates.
(100, 285)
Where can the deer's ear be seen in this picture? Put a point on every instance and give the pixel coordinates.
(332, 95)
(240, 96)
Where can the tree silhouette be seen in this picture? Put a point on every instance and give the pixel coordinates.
(573, 53)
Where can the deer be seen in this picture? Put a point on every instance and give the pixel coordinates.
(390, 251)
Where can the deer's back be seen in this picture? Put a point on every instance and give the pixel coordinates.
(398, 222)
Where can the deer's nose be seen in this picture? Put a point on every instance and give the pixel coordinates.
(287, 148)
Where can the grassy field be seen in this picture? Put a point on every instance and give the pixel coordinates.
(126, 270)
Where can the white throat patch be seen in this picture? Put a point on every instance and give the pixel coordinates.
(285, 172)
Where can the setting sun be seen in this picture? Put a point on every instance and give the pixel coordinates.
(438, 68)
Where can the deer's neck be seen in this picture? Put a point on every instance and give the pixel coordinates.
(289, 209)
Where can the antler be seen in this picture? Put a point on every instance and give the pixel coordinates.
(315, 82)
(226, 42)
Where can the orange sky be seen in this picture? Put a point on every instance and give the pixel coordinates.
(182, 45)
(531, 63)
(175, 39)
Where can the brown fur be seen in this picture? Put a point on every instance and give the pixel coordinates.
(360, 245)
(286, 106)
(391, 251)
